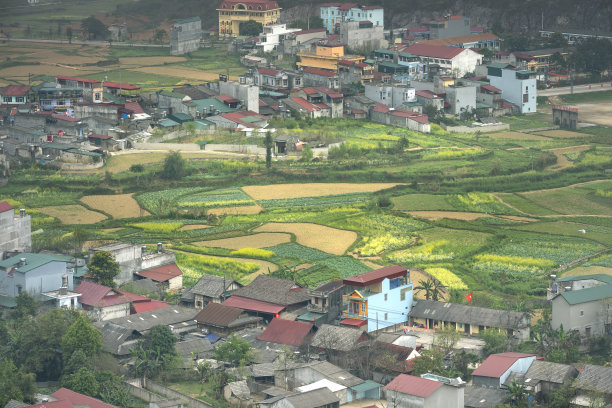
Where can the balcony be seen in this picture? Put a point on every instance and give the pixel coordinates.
(317, 308)
(350, 315)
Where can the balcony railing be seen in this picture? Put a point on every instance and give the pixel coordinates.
(346, 313)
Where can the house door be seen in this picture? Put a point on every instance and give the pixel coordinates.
(466, 328)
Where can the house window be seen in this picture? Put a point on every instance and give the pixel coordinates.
(7, 99)
(386, 317)
(461, 325)
(298, 81)
(316, 301)
(20, 99)
(19, 289)
(582, 313)
(386, 296)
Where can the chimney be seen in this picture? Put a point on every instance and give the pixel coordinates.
(212, 109)
(64, 289)
(22, 212)
(143, 249)
(159, 247)
(23, 261)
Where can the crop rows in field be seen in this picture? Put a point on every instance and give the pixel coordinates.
(194, 266)
(292, 250)
(433, 252)
(447, 278)
(160, 201)
(479, 202)
(46, 198)
(452, 153)
(230, 197)
(326, 201)
(328, 269)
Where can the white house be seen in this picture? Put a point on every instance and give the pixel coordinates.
(271, 36)
(14, 231)
(393, 95)
(334, 14)
(427, 391)
(456, 61)
(518, 86)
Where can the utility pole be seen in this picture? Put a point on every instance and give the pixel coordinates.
(571, 72)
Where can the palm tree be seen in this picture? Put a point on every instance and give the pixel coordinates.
(518, 395)
(433, 288)
(426, 286)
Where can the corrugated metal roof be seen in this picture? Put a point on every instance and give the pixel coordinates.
(96, 295)
(337, 337)
(550, 372)
(595, 378)
(33, 261)
(64, 394)
(497, 364)
(274, 290)
(375, 276)
(253, 305)
(217, 314)
(4, 206)
(575, 297)
(434, 51)
(148, 306)
(161, 273)
(287, 332)
(411, 385)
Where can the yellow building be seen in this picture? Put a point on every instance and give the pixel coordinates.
(232, 13)
(326, 56)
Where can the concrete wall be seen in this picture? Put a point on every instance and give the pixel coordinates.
(14, 233)
(370, 38)
(446, 397)
(579, 316)
(388, 308)
(45, 278)
(160, 389)
(106, 111)
(247, 93)
(110, 312)
(393, 96)
(486, 382)
(461, 98)
(318, 80)
(185, 37)
(515, 90)
(465, 62)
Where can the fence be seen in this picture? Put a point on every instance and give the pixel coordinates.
(149, 391)
(481, 129)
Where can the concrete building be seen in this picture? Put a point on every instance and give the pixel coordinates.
(449, 26)
(300, 107)
(484, 40)
(185, 36)
(321, 77)
(565, 116)
(292, 43)
(351, 72)
(461, 98)
(325, 303)
(494, 371)
(452, 60)
(248, 95)
(326, 56)
(270, 38)
(582, 303)
(334, 14)
(324, 98)
(118, 31)
(393, 95)
(15, 231)
(33, 273)
(276, 80)
(426, 97)
(408, 117)
(518, 87)
(14, 95)
(377, 299)
(362, 35)
(427, 391)
(232, 13)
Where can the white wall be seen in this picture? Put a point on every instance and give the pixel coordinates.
(465, 62)
(513, 90)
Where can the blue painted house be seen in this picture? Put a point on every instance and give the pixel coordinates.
(377, 299)
(33, 273)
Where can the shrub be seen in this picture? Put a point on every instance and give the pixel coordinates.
(136, 168)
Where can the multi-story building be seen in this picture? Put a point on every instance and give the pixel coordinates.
(334, 14)
(326, 56)
(377, 299)
(270, 38)
(232, 13)
(362, 35)
(517, 86)
(449, 26)
(15, 233)
(453, 60)
(185, 36)
(325, 303)
(393, 95)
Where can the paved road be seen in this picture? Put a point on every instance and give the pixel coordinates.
(91, 42)
(564, 90)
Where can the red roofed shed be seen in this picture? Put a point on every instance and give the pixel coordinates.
(76, 399)
(411, 385)
(287, 332)
(4, 206)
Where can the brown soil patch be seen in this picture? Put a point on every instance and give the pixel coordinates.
(562, 161)
(73, 214)
(599, 113)
(565, 134)
(517, 218)
(193, 227)
(588, 270)
(109, 230)
(97, 243)
(129, 62)
(248, 241)
(118, 205)
(182, 72)
(516, 136)
(417, 275)
(245, 209)
(264, 268)
(280, 191)
(455, 215)
(326, 239)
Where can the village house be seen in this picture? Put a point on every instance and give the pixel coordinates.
(318, 398)
(185, 35)
(287, 332)
(301, 108)
(594, 385)
(325, 98)
(426, 97)
(362, 35)
(494, 371)
(472, 41)
(455, 61)
(270, 38)
(14, 95)
(470, 320)
(223, 320)
(270, 297)
(15, 230)
(327, 56)
(297, 41)
(390, 360)
(405, 117)
(66, 398)
(276, 80)
(394, 95)
(479, 397)
(518, 86)
(543, 378)
(325, 304)
(239, 120)
(378, 299)
(321, 77)
(334, 14)
(351, 72)
(102, 302)
(583, 303)
(209, 289)
(338, 342)
(444, 27)
(168, 276)
(427, 391)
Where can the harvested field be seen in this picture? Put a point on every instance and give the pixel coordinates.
(565, 134)
(562, 161)
(587, 270)
(280, 191)
(245, 209)
(73, 214)
(248, 241)
(570, 200)
(264, 268)
(326, 239)
(118, 205)
(193, 227)
(182, 72)
(455, 215)
(516, 136)
(97, 243)
(129, 62)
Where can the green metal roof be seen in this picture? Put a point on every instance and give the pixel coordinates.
(407, 55)
(365, 386)
(251, 119)
(411, 104)
(383, 51)
(498, 65)
(598, 276)
(168, 123)
(310, 317)
(181, 116)
(200, 104)
(7, 301)
(392, 65)
(482, 105)
(574, 297)
(58, 146)
(80, 271)
(33, 261)
(113, 98)
(202, 124)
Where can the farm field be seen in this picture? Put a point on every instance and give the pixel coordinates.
(587, 270)
(261, 240)
(562, 134)
(330, 240)
(572, 200)
(438, 215)
(245, 209)
(118, 206)
(516, 136)
(421, 202)
(287, 191)
(73, 214)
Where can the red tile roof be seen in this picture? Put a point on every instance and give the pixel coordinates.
(426, 94)
(65, 118)
(419, 29)
(434, 51)
(329, 92)
(321, 105)
(96, 295)
(411, 385)
(287, 332)
(381, 108)
(14, 90)
(370, 7)
(320, 72)
(64, 394)
(237, 116)
(491, 88)
(353, 322)
(305, 104)
(4, 206)
(449, 41)
(120, 85)
(85, 80)
(346, 6)
(314, 30)
(161, 273)
(309, 91)
(134, 107)
(268, 71)
(497, 364)
(217, 314)
(417, 117)
(148, 306)
(253, 305)
(227, 99)
(52, 404)
(378, 275)
(252, 4)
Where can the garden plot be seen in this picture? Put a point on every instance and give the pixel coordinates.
(438, 215)
(182, 72)
(571, 200)
(421, 202)
(282, 191)
(229, 197)
(588, 270)
(594, 232)
(245, 209)
(265, 267)
(326, 239)
(129, 62)
(73, 214)
(516, 136)
(561, 154)
(262, 240)
(563, 134)
(118, 206)
(193, 227)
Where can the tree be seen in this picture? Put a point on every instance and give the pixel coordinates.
(160, 338)
(495, 341)
(517, 394)
(79, 236)
(234, 350)
(82, 336)
(593, 55)
(556, 40)
(15, 384)
(94, 28)
(160, 35)
(103, 268)
(311, 23)
(430, 361)
(83, 381)
(307, 154)
(26, 306)
(446, 339)
(174, 166)
(189, 128)
(69, 34)
(251, 28)
(433, 288)
(77, 360)
(269, 143)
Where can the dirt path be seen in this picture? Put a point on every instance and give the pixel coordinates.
(509, 205)
(562, 160)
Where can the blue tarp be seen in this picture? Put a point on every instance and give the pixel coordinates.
(213, 338)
